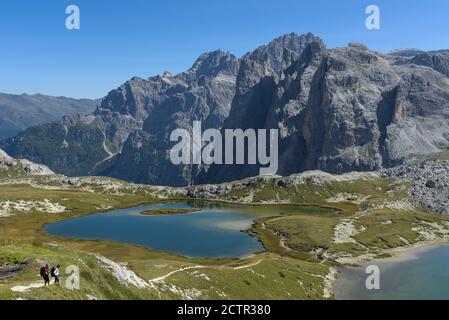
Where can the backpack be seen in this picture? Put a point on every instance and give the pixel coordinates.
(42, 271)
(52, 272)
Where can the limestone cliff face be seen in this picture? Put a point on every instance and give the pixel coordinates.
(345, 109)
(337, 110)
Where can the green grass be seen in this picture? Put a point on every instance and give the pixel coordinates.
(378, 230)
(273, 278)
(286, 271)
(12, 258)
(95, 280)
(385, 227)
(304, 233)
(311, 194)
(250, 280)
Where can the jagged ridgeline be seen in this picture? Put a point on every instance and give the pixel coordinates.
(337, 110)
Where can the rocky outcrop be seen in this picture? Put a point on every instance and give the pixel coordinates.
(6, 160)
(27, 167)
(437, 60)
(430, 183)
(317, 178)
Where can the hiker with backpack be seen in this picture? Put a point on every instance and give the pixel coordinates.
(55, 273)
(45, 275)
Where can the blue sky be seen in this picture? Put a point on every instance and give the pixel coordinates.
(120, 39)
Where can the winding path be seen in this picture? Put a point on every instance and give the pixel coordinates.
(249, 265)
(159, 279)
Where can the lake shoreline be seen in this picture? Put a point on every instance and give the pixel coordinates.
(397, 256)
(226, 226)
(393, 253)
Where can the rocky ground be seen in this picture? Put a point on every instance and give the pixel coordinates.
(430, 183)
(10, 270)
(318, 178)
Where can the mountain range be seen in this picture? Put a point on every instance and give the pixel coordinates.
(18, 112)
(337, 110)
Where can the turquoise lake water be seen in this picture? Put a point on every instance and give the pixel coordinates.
(215, 231)
(421, 274)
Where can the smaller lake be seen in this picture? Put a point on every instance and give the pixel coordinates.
(419, 274)
(215, 231)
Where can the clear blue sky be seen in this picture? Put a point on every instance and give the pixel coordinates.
(120, 39)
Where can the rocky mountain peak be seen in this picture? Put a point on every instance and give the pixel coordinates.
(269, 61)
(357, 45)
(213, 63)
(277, 50)
(167, 75)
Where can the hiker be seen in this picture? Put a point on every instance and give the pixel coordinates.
(55, 273)
(45, 275)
